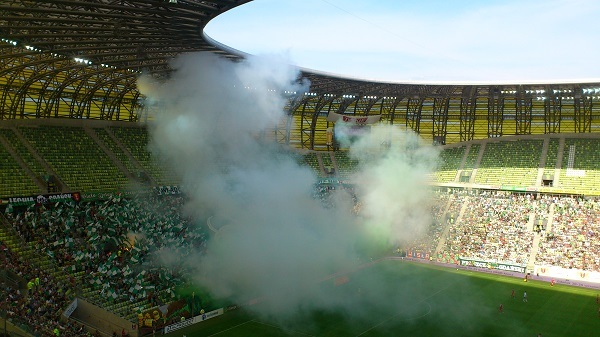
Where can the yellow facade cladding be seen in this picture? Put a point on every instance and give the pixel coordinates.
(538, 118)
(41, 85)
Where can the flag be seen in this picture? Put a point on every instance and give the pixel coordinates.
(69, 222)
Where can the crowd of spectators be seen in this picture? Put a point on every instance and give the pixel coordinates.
(571, 239)
(37, 308)
(325, 194)
(493, 227)
(427, 243)
(116, 247)
(501, 226)
(456, 201)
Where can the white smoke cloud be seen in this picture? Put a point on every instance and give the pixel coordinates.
(276, 240)
(392, 181)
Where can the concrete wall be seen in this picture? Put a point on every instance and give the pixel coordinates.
(103, 320)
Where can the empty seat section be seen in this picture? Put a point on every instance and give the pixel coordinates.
(136, 140)
(346, 165)
(449, 163)
(510, 163)
(76, 158)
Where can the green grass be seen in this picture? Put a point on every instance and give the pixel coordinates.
(410, 299)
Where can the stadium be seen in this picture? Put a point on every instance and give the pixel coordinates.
(331, 206)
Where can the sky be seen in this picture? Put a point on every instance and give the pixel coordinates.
(423, 41)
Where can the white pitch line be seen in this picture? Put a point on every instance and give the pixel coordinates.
(209, 224)
(233, 327)
(399, 312)
(425, 314)
(280, 328)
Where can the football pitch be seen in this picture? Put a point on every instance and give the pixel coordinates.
(429, 301)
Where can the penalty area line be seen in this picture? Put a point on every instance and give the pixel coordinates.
(399, 312)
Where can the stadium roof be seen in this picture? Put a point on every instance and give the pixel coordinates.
(80, 59)
(132, 34)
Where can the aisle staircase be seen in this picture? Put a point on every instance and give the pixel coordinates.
(442, 241)
(110, 154)
(36, 180)
(535, 247)
(543, 158)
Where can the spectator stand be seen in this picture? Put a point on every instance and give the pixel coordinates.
(114, 238)
(37, 307)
